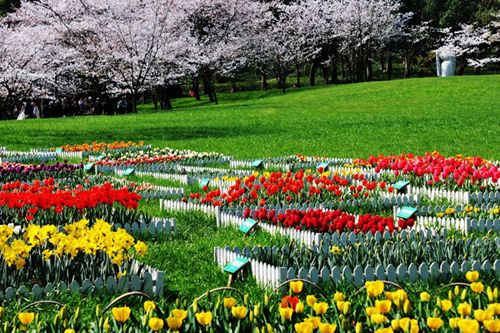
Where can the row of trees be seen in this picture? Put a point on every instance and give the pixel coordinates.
(56, 48)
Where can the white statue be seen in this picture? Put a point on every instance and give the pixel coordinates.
(445, 63)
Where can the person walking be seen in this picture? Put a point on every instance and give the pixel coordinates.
(36, 110)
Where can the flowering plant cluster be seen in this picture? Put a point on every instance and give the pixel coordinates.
(279, 188)
(47, 205)
(15, 171)
(98, 147)
(471, 308)
(43, 254)
(165, 155)
(330, 221)
(434, 169)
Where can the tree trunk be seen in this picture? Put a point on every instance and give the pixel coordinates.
(298, 75)
(389, 65)
(263, 82)
(359, 70)
(214, 94)
(206, 86)
(462, 65)
(325, 75)
(342, 69)
(335, 78)
(369, 70)
(196, 88)
(477, 70)
(154, 97)
(134, 102)
(382, 61)
(408, 67)
(168, 105)
(312, 74)
(233, 84)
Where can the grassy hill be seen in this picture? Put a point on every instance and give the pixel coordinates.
(453, 115)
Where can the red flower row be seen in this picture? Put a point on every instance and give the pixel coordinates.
(333, 221)
(75, 198)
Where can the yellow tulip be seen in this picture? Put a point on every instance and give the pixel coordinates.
(378, 319)
(296, 286)
(286, 313)
(446, 305)
(149, 306)
(204, 318)
(464, 309)
(454, 323)
(434, 323)
(173, 322)
(305, 327)
(374, 288)
(477, 287)
(370, 311)
(425, 296)
(156, 324)
(315, 321)
(383, 306)
(121, 314)
(239, 311)
(339, 297)
(407, 307)
(2, 313)
(495, 307)
(320, 308)
(299, 308)
(482, 315)
(120, 274)
(472, 276)
(182, 314)
(347, 307)
(358, 328)
(395, 324)
(390, 295)
(385, 330)
(26, 317)
(404, 324)
(69, 330)
(414, 328)
(468, 325)
(327, 328)
(229, 302)
(492, 326)
(311, 300)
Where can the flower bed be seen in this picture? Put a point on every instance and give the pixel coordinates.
(42, 254)
(10, 172)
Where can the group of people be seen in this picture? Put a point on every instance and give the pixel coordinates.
(65, 107)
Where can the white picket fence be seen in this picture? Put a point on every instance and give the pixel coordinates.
(465, 224)
(22, 157)
(151, 283)
(183, 206)
(271, 276)
(162, 192)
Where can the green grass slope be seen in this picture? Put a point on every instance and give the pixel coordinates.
(453, 115)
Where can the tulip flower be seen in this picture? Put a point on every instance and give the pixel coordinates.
(229, 302)
(468, 325)
(156, 324)
(477, 287)
(383, 306)
(149, 306)
(385, 330)
(464, 309)
(320, 308)
(173, 322)
(374, 288)
(26, 317)
(434, 323)
(378, 319)
(239, 311)
(425, 296)
(286, 313)
(182, 314)
(311, 299)
(204, 318)
(482, 315)
(492, 326)
(304, 327)
(472, 276)
(315, 321)
(327, 328)
(296, 286)
(121, 314)
(446, 305)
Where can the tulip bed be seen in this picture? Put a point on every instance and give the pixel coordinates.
(53, 230)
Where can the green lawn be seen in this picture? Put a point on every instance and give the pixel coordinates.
(453, 115)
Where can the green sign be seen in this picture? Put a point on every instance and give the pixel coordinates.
(88, 166)
(58, 150)
(323, 165)
(204, 182)
(257, 163)
(248, 225)
(406, 212)
(399, 185)
(100, 157)
(128, 172)
(237, 265)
